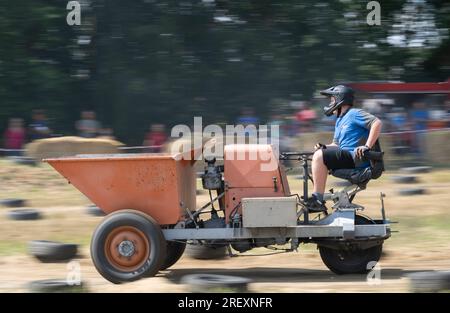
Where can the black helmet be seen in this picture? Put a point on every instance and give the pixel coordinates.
(342, 95)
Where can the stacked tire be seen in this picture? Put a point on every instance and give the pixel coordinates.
(409, 177)
(52, 251)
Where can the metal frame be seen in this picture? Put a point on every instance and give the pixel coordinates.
(307, 231)
(342, 198)
(340, 224)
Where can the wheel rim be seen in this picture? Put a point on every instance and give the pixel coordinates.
(127, 248)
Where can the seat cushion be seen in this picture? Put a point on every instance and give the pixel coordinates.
(356, 176)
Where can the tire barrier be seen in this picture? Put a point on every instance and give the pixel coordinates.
(404, 179)
(12, 203)
(430, 281)
(24, 215)
(21, 160)
(56, 286)
(411, 191)
(206, 283)
(94, 210)
(416, 169)
(52, 251)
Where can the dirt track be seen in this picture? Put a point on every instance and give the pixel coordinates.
(301, 271)
(290, 272)
(422, 244)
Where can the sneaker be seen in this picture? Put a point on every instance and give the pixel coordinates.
(314, 205)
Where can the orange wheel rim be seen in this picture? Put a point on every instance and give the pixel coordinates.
(127, 248)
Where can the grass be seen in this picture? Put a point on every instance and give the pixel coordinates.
(422, 232)
(40, 185)
(8, 247)
(20, 246)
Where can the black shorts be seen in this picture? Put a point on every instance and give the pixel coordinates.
(335, 158)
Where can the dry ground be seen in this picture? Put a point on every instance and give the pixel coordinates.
(422, 243)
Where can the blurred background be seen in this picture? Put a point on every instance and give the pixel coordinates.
(131, 71)
(163, 62)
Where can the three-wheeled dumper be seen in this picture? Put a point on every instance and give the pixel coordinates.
(150, 200)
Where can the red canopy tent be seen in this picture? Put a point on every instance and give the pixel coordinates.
(402, 87)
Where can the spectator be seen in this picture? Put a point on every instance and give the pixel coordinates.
(306, 117)
(247, 118)
(327, 123)
(156, 137)
(372, 106)
(437, 118)
(88, 126)
(277, 138)
(419, 116)
(398, 121)
(38, 129)
(447, 110)
(14, 136)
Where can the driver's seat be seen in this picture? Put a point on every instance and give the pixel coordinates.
(361, 176)
(356, 176)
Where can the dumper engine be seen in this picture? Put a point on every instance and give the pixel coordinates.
(212, 180)
(212, 177)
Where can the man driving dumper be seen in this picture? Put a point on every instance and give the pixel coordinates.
(356, 131)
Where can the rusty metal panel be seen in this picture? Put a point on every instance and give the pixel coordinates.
(251, 176)
(159, 185)
(250, 166)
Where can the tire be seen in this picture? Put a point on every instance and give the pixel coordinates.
(175, 250)
(12, 203)
(411, 191)
(25, 161)
(429, 281)
(208, 283)
(143, 247)
(24, 215)
(206, 252)
(55, 286)
(94, 210)
(52, 251)
(416, 169)
(404, 179)
(342, 183)
(341, 261)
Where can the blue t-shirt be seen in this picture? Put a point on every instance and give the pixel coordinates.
(352, 130)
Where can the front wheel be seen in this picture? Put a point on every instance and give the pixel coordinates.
(127, 246)
(175, 250)
(351, 261)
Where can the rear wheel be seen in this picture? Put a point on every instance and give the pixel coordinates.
(351, 260)
(127, 246)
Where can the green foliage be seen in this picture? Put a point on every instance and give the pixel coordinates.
(165, 61)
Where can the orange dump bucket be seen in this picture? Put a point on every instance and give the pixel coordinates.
(160, 185)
